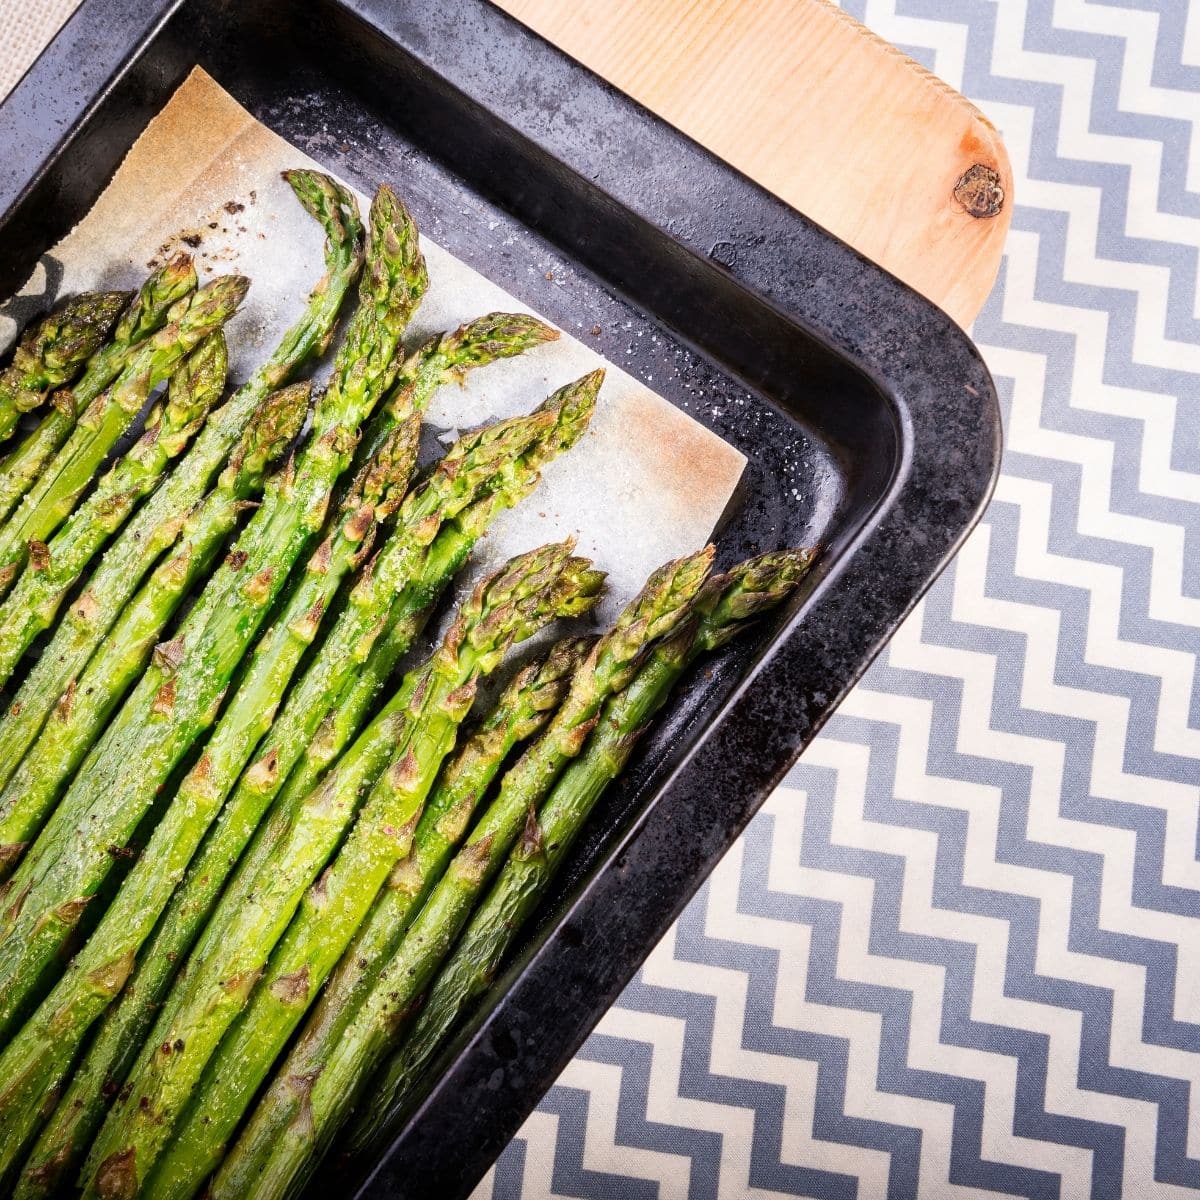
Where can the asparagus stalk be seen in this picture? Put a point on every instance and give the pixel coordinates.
(193, 390)
(158, 522)
(531, 590)
(121, 657)
(726, 606)
(85, 707)
(38, 1058)
(268, 434)
(178, 695)
(125, 1025)
(446, 358)
(147, 313)
(53, 352)
(53, 497)
(472, 461)
(653, 614)
(522, 711)
(372, 745)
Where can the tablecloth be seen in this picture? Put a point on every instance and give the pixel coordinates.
(957, 954)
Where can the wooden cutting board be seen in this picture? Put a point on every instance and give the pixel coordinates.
(816, 108)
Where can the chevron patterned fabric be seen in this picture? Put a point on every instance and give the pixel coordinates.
(959, 954)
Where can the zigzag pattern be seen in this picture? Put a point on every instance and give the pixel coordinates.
(959, 955)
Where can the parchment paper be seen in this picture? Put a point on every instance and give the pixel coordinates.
(647, 483)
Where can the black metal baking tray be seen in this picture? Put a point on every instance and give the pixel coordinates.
(867, 418)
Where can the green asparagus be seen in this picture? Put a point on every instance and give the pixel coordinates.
(84, 707)
(178, 695)
(53, 497)
(120, 1034)
(446, 358)
(522, 711)
(654, 613)
(527, 593)
(724, 608)
(147, 313)
(268, 434)
(53, 351)
(158, 522)
(193, 390)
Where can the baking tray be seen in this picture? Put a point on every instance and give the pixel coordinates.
(867, 418)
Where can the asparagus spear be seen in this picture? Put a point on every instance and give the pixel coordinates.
(317, 1087)
(52, 352)
(268, 434)
(474, 459)
(293, 1125)
(193, 390)
(528, 592)
(446, 358)
(84, 707)
(147, 313)
(57, 490)
(725, 607)
(177, 697)
(38, 1058)
(523, 710)
(158, 522)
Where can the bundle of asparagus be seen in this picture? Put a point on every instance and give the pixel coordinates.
(318, 1085)
(214, 828)
(60, 481)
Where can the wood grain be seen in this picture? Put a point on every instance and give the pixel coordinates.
(813, 106)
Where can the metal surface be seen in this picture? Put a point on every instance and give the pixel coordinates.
(868, 420)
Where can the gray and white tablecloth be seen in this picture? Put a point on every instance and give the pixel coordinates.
(959, 954)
